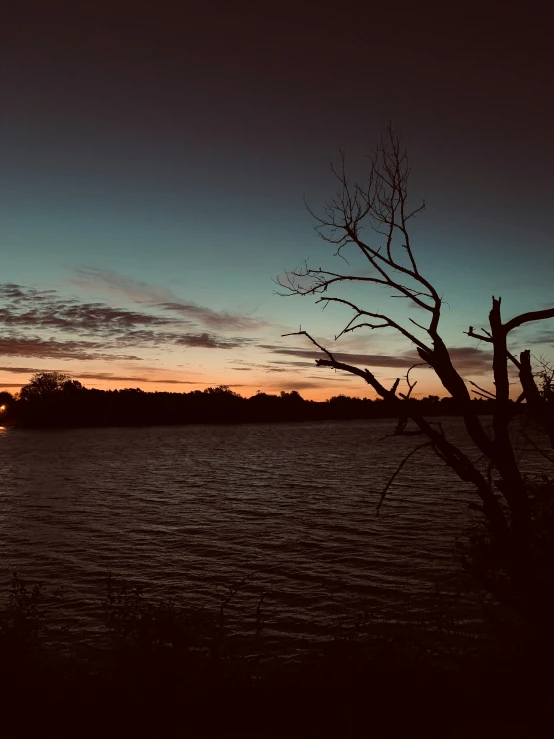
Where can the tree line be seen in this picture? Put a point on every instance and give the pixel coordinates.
(52, 399)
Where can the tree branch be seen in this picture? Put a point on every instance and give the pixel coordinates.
(537, 315)
(483, 391)
(379, 316)
(398, 470)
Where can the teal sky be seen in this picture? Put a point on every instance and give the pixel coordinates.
(156, 164)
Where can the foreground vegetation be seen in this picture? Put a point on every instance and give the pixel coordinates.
(158, 665)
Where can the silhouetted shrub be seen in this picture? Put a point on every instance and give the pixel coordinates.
(138, 624)
(23, 618)
(483, 560)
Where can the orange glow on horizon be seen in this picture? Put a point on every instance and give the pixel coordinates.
(308, 390)
(311, 384)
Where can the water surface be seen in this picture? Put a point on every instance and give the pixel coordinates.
(190, 510)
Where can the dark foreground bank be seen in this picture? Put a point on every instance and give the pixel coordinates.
(337, 696)
(161, 671)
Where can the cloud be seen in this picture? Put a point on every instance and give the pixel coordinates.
(467, 360)
(22, 370)
(214, 319)
(50, 348)
(301, 385)
(471, 360)
(116, 284)
(162, 299)
(196, 340)
(108, 376)
(335, 378)
(369, 360)
(97, 376)
(71, 324)
(543, 337)
(289, 363)
(29, 308)
(17, 292)
(207, 341)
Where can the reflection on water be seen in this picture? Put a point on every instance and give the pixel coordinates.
(184, 510)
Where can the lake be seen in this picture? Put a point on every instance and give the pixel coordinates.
(188, 511)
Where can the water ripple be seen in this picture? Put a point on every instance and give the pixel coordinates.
(184, 510)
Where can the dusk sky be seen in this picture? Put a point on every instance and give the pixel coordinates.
(154, 166)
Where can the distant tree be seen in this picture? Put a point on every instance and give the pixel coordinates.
(221, 391)
(72, 386)
(294, 396)
(372, 220)
(6, 398)
(261, 396)
(7, 402)
(46, 384)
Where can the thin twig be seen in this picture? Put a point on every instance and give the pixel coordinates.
(398, 470)
(537, 448)
(483, 390)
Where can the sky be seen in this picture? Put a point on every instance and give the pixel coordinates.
(154, 163)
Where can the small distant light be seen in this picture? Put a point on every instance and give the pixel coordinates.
(2, 408)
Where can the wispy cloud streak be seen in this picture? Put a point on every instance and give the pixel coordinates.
(162, 299)
(42, 323)
(469, 360)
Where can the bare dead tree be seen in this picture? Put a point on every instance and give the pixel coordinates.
(539, 402)
(373, 219)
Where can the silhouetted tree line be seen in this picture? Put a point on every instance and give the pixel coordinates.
(54, 400)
